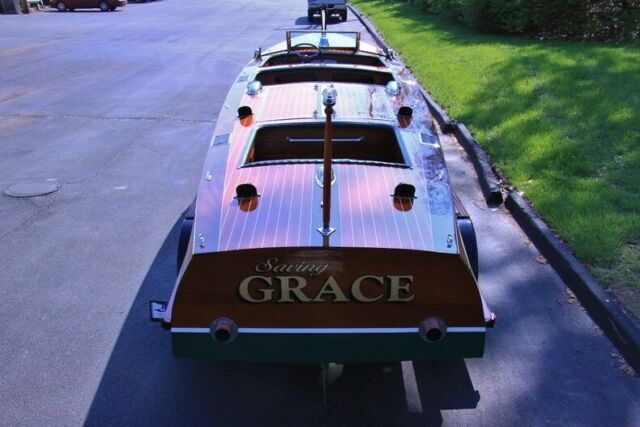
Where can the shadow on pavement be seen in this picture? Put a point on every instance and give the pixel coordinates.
(145, 384)
(303, 20)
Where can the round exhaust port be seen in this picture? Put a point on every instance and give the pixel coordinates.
(223, 330)
(432, 330)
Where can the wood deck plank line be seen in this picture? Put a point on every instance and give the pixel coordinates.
(373, 212)
(239, 135)
(398, 176)
(270, 198)
(373, 222)
(283, 196)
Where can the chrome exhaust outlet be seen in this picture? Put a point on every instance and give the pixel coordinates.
(223, 330)
(432, 330)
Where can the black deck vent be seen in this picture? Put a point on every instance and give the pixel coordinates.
(404, 191)
(403, 197)
(246, 191)
(247, 197)
(244, 111)
(406, 112)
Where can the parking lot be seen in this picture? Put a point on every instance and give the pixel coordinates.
(117, 110)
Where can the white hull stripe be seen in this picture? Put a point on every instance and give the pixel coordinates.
(453, 329)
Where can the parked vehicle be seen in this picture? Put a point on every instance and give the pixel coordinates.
(334, 7)
(103, 5)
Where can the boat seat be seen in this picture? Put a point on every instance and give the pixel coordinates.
(331, 57)
(376, 143)
(323, 74)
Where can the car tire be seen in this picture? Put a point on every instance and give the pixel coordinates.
(468, 233)
(185, 235)
(183, 242)
(61, 6)
(104, 6)
(343, 15)
(310, 16)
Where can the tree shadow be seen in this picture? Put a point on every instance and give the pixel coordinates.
(559, 119)
(316, 21)
(538, 354)
(569, 139)
(144, 384)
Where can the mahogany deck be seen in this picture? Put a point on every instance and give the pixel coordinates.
(288, 211)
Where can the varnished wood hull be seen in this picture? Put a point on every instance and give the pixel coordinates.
(372, 321)
(260, 273)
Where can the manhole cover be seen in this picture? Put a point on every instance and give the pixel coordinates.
(32, 189)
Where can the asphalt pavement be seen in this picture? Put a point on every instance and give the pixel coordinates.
(118, 108)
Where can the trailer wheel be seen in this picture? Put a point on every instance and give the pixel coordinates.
(185, 235)
(470, 243)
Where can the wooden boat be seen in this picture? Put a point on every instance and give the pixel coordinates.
(325, 228)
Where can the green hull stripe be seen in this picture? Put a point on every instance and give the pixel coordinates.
(318, 348)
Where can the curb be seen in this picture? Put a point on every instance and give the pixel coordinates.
(445, 123)
(606, 312)
(489, 182)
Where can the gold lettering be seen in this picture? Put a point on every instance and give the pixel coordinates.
(318, 269)
(357, 292)
(331, 287)
(243, 289)
(266, 266)
(286, 288)
(396, 287)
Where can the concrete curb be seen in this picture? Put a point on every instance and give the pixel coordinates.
(606, 312)
(445, 123)
(621, 329)
(489, 182)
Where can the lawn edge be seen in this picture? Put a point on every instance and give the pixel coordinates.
(619, 326)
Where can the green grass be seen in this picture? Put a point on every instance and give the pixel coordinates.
(560, 119)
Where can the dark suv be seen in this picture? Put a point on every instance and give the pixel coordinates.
(335, 7)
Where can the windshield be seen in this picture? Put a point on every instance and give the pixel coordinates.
(325, 39)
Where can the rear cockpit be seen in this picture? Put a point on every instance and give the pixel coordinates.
(303, 143)
(323, 58)
(282, 75)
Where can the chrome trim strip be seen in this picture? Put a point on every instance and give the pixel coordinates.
(458, 329)
(319, 161)
(453, 329)
(328, 330)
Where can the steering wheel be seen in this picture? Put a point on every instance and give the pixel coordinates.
(305, 56)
